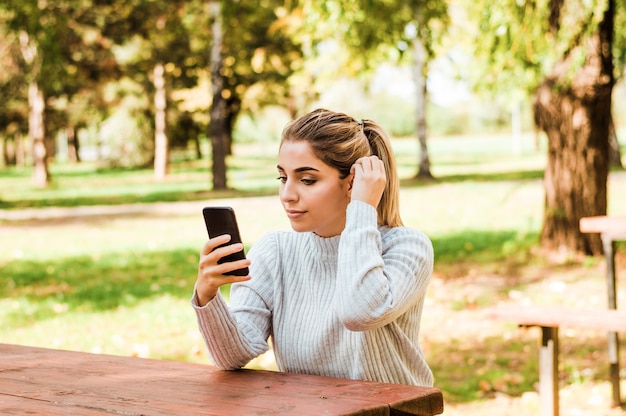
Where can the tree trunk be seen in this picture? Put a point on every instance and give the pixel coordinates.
(419, 63)
(36, 109)
(575, 115)
(73, 146)
(516, 127)
(615, 154)
(20, 151)
(233, 107)
(36, 130)
(4, 147)
(217, 126)
(161, 145)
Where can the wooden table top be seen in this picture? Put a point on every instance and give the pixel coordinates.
(57, 382)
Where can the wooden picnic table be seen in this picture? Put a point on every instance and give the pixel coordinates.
(57, 382)
(611, 230)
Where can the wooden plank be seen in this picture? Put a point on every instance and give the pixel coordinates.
(15, 405)
(161, 391)
(394, 394)
(88, 383)
(613, 225)
(549, 316)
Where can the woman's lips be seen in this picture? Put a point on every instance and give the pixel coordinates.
(293, 214)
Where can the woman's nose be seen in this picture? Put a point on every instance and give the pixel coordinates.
(287, 191)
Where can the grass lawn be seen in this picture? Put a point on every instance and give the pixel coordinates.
(121, 284)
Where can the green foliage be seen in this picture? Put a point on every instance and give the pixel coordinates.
(125, 133)
(78, 47)
(619, 41)
(257, 52)
(369, 28)
(395, 113)
(514, 44)
(353, 37)
(264, 126)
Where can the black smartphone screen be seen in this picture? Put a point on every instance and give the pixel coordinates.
(220, 221)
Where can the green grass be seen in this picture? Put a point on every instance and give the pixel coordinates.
(71, 284)
(86, 184)
(251, 172)
(121, 284)
(473, 370)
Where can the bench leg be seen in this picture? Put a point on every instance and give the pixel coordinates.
(609, 253)
(614, 367)
(549, 372)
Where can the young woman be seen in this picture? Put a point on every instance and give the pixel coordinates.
(342, 296)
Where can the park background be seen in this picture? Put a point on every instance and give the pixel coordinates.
(103, 257)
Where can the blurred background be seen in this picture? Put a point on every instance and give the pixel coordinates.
(120, 120)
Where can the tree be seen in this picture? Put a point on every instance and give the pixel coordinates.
(157, 56)
(401, 29)
(254, 52)
(560, 51)
(13, 111)
(63, 52)
(219, 117)
(32, 36)
(615, 154)
(572, 105)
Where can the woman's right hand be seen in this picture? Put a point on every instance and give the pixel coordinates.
(211, 274)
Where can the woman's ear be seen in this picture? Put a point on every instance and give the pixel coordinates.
(350, 182)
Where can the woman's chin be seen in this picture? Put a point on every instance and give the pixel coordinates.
(299, 228)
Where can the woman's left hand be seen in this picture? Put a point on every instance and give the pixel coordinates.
(368, 180)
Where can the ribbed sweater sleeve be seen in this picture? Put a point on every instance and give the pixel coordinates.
(375, 288)
(231, 343)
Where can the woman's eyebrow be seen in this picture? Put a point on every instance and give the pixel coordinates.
(298, 170)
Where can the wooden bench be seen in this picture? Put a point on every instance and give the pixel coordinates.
(611, 230)
(549, 319)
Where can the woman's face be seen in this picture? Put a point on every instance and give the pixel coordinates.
(312, 194)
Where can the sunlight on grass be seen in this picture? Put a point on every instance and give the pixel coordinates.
(162, 327)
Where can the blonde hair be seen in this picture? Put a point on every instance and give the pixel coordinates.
(339, 140)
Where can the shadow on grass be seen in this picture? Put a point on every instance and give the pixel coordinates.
(96, 283)
(154, 197)
(484, 246)
(522, 175)
(41, 290)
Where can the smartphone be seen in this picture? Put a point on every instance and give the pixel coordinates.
(220, 221)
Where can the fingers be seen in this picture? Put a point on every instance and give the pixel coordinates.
(211, 273)
(215, 242)
(214, 250)
(369, 180)
(370, 163)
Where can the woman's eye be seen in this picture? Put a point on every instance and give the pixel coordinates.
(308, 181)
(282, 179)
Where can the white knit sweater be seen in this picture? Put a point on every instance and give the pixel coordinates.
(347, 306)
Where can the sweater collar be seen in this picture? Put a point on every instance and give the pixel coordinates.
(324, 246)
